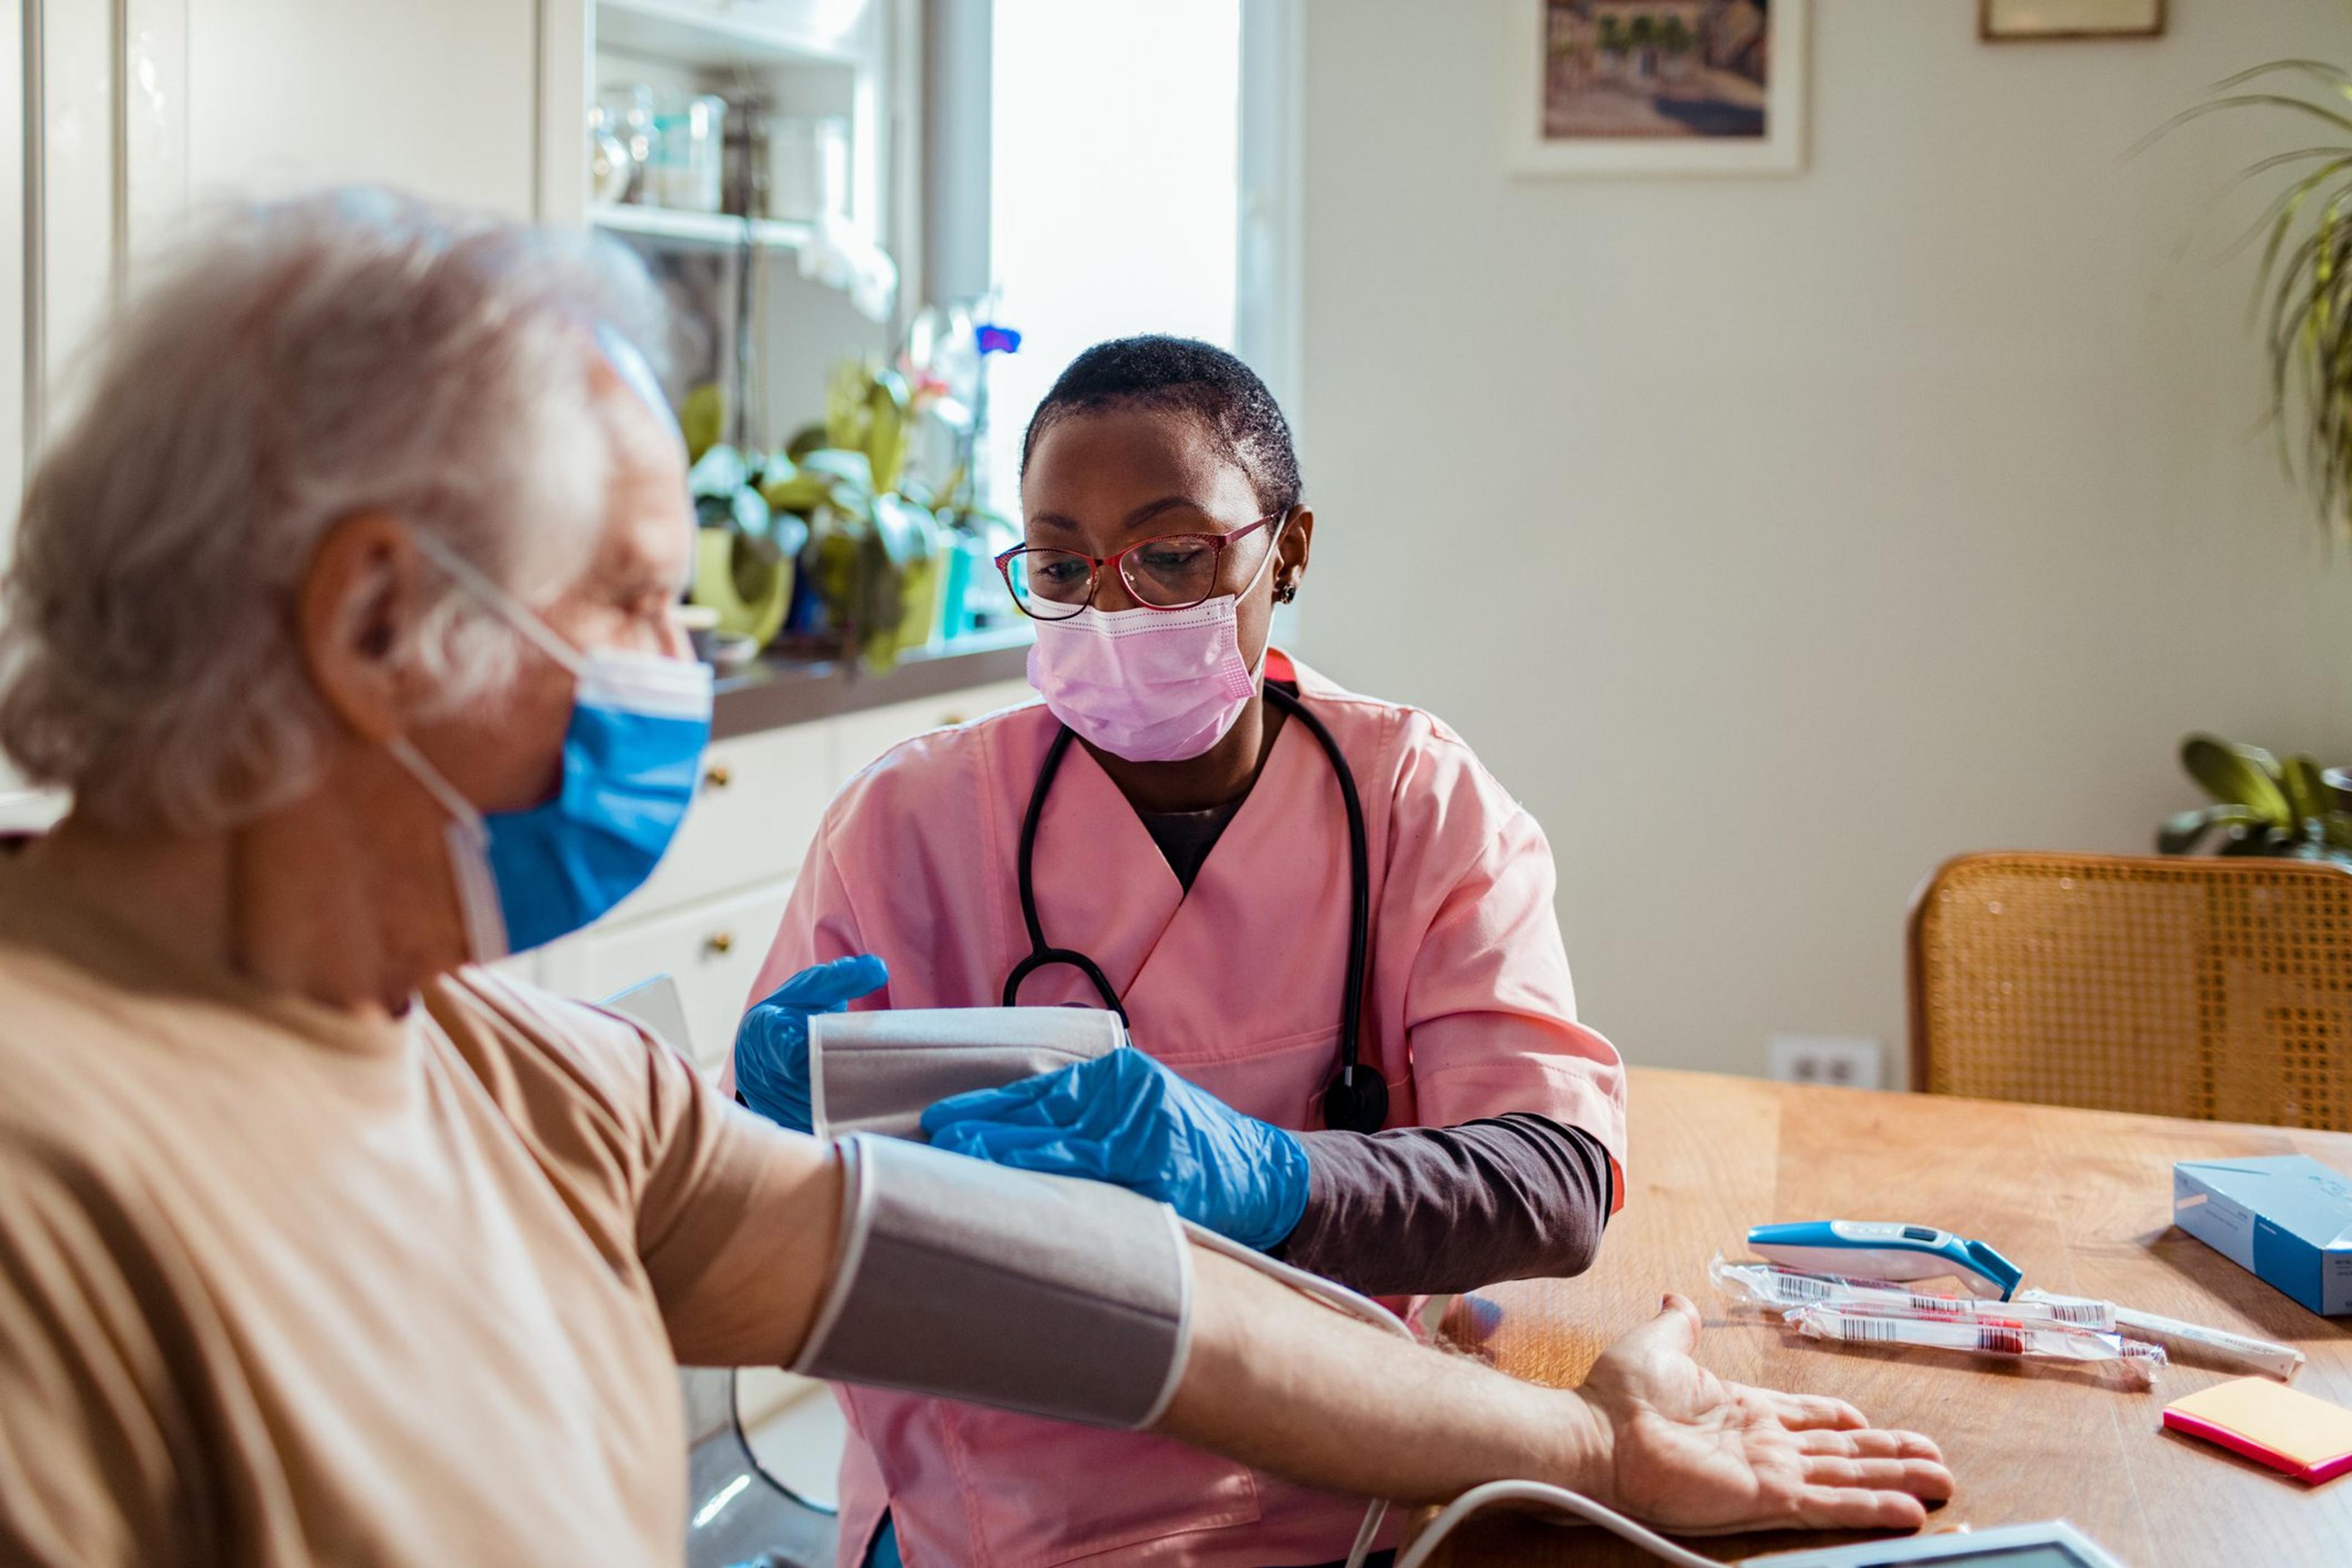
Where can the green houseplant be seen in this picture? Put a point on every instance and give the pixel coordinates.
(2262, 804)
(836, 503)
(874, 546)
(746, 550)
(841, 535)
(2303, 290)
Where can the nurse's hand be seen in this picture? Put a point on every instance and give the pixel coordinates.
(1125, 1118)
(772, 1043)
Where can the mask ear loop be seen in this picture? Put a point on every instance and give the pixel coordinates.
(508, 609)
(1273, 548)
(468, 838)
(464, 813)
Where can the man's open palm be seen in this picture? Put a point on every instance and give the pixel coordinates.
(1694, 1453)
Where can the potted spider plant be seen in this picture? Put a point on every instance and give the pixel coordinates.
(2302, 286)
(2302, 305)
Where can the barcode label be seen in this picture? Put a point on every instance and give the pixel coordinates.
(1955, 1335)
(1869, 1330)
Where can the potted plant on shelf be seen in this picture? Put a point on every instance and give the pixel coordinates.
(747, 549)
(838, 537)
(873, 544)
(837, 507)
(893, 562)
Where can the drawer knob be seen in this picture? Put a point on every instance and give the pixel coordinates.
(720, 942)
(718, 775)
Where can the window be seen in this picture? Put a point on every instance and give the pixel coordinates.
(1115, 187)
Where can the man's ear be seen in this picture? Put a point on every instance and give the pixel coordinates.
(1297, 543)
(354, 609)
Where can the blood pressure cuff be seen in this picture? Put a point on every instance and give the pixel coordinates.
(876, 1072)
(1054, 1296)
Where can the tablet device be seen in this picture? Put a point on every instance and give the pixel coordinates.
(2054, 1544)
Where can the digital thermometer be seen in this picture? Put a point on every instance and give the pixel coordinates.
(1879, 1249)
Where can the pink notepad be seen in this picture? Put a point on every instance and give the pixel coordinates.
(2285, 1428)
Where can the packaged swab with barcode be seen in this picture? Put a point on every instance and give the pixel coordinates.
(1986, 1336)
(1771, 1286)
(2191, 1341)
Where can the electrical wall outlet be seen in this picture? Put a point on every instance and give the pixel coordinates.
(1843, 1061)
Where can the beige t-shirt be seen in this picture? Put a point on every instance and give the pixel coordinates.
(280, 1288)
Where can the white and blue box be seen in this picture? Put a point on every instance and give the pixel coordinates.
(2285, 1218)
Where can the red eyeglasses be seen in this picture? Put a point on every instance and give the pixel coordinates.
(1174, 571)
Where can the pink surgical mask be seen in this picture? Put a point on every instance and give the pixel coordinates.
(1151, 686)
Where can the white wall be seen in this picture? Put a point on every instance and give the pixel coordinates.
(432, 96)
(1775, 539)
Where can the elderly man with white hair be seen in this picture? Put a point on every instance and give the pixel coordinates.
(345, 609)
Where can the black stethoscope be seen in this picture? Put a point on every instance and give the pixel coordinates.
(1358, 1100)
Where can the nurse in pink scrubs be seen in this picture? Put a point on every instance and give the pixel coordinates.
(1424, 1115)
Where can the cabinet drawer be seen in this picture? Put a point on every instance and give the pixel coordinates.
(862, 737)
(754, 813)
(713, 949)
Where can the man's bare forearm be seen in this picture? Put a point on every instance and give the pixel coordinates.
(1074, 1301)
(1286, 1384)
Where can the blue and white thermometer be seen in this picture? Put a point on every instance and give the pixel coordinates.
(1879, 1249)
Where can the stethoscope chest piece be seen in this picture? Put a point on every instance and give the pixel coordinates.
(1357, 1101)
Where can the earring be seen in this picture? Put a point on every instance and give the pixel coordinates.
(1284, 591)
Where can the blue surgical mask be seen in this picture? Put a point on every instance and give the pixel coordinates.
(632, 754)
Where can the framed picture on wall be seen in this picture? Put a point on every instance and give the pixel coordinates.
(2070, 19)
(1657, 86)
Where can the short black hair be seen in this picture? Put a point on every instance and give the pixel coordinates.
(1182, 375)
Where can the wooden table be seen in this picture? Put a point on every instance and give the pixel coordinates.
(2081, 1200)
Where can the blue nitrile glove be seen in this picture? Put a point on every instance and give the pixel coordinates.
(771, 1047)
(1125, 1118)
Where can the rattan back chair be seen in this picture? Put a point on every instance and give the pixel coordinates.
(2219, 988)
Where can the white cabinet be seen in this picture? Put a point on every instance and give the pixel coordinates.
(138, 105)
(863, 737)
(433, 97)
(756, 810)
(712, 948)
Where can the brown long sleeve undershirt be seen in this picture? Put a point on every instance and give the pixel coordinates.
(1424, 1210)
